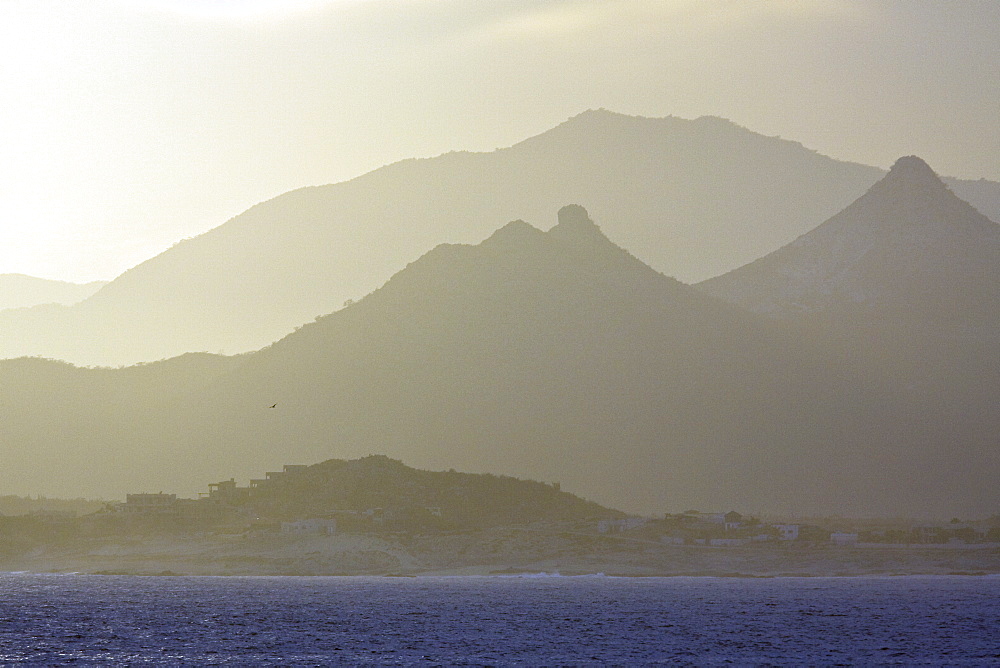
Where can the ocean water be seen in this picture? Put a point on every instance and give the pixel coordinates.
(505, 621)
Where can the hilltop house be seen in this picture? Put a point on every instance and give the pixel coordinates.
(227, 491)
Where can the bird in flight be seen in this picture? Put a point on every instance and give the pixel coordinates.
(273, 405)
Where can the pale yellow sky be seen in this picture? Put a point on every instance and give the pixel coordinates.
(126, 126)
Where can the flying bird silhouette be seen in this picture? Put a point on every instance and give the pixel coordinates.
(273, 405)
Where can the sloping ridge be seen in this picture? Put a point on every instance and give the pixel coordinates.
(908, 245)
(443, 499)
(692, 198)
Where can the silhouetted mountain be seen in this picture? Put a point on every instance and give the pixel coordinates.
(909, 247)
(691, 198)
(19, 291)
(555, 356)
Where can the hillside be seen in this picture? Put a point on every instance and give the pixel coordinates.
(692, 198)
(555, 356)
(903, 285)
(906, 278)
(907, 246)
(407, 496)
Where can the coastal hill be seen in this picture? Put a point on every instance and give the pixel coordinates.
(691, 198)
(377, 516)
(554, 356)
(385, 490)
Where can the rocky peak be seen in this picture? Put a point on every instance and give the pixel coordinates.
(575, 223)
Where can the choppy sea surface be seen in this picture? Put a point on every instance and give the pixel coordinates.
(529, 621)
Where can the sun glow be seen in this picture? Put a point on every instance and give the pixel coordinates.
(240, 9)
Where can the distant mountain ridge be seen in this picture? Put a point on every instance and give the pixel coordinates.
(692, 198)
(21, 291)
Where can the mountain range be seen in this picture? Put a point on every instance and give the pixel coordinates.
(691, 198)
(556, 356)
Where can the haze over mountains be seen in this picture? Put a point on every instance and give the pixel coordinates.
(692, 198)
(555, 356)
(19, 291)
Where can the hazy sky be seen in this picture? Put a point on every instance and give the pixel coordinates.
(126, 126)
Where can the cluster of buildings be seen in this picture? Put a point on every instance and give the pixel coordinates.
(222, 495)
(226, 492)
(226, 496)
(733, 529)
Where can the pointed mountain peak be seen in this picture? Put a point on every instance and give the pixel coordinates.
(909, 244)
(911, 195)
(908, 176)
(575, 223)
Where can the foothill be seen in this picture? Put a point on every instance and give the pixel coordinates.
(375, 515)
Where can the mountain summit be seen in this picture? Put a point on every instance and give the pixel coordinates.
(908, 244)
(575, 223)
(912, 169)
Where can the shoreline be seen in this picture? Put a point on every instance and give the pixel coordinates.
(511, 576)
(498, 553)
